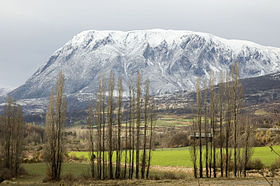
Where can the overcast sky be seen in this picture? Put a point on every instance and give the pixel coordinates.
(31, 30)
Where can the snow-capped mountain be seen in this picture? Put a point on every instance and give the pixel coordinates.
(170, 59)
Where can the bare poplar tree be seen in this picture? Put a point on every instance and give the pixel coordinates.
(126, 147)
(99, 132)
(152, 119)
(130, 133)
(119, 118)
(110, 112)
(91, 139)
(103, 93)
(133, 132)
(194, 150)
(198, 107)
(247, 149)
(221, 108)
(138, 122)
(12, 141)
(18, 140)
(213, 122)
(145, 128)
(55, 124)
(8, 124)
(228, 122)
(206, 131)
(237, 103)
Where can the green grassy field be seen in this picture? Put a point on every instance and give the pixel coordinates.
(162, 157)
(37, 171)
(182, 157)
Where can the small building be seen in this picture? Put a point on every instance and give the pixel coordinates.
(203, 135)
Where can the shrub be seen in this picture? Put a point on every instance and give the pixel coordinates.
(83, 158)
(275, 165)
(256, 164)
(5, 174)
(167, 175)
(74, 157)
(47, 177)
(179, 139)
(40, 148)
(69, 177)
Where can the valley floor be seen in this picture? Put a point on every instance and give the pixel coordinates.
(77, 174)
(190, 181)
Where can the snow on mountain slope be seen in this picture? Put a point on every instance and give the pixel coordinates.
(170, 59)
(4, 91)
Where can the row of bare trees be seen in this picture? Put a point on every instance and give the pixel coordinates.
(226, 128)
(11, 137)
(114, 131)
(120, 138)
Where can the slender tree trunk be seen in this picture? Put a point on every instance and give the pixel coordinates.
(152, 118)
(91, 140)
(110, 123)
(221, 96)
(228, 126)
(206, 132)
(98, 126)
(236, 97)
(246, 150)
(198, 105)
(138, 122)
(118, 151)
(103, 93)
(145, 130)
(125, 155)
(130, 133)
(133, 132)
(194, 152)
(213, 123)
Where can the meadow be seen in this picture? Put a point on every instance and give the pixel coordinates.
(165, 157)
(181, 157)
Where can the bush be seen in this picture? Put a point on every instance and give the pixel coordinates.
(179, 139)
(74, 157)
(5, 174)
(275, 166)
(256, 164)
(83, 158)
(47, 177)
(167, 175)
(69, 177)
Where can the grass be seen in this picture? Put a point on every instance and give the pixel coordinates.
(37, 172)
(165, 157)
(265, 154)
(182, 157)
(39, 169)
